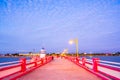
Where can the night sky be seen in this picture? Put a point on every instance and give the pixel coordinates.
(27, 25)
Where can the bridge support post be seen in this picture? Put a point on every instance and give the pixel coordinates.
(46, 60)
(41, 61)
(23, 64)
(35, 63)
(83, 61)
(77, 59)
(95, 64)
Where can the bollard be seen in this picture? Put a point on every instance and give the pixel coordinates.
(83, 61)
(23, 64)
(95, 64)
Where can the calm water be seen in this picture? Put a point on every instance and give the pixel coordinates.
(106, 58)
(9, 59)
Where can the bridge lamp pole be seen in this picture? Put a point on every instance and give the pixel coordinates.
(76, 43)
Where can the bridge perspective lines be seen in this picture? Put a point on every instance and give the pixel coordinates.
(60, 69)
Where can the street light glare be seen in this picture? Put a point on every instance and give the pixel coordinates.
(71, 42)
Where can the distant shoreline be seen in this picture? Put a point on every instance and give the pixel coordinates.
(14, 56)
(66, 55)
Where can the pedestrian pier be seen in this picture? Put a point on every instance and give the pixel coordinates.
(57, 68)
(60, 69)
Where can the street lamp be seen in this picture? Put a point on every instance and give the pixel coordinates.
(76, 43)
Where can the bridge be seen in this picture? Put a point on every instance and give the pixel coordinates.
(66, 68)
(60, 69)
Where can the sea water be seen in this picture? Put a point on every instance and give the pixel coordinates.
(10, 59)
(106, 58)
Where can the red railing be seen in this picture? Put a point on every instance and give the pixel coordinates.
(22, 67)
(96, 66)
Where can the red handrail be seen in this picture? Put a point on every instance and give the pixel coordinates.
(95, 64)
(24, 67)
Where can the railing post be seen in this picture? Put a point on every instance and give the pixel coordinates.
(83, 61)
(77, 59)
(35, 63)
(23, 64)
(95, 64)
(71, 58)
(45, 59)
(52, 57)
(41, 61)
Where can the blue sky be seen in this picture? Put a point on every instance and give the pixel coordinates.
(32, 24)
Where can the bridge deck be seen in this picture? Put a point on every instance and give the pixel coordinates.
(59, 69)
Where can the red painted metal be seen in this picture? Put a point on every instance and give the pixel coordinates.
(23, 64)
(95, 64)
(39, 62)
(77, 59)
(94, 70)
(83, 61)
(83, 66)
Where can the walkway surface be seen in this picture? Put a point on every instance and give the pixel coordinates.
(60, 69)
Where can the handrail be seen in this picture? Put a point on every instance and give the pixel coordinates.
(108, 63)
(21, 67)
(99, 67)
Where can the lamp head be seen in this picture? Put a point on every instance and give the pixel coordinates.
(71, 42)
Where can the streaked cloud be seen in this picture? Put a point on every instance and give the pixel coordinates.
(48, 22)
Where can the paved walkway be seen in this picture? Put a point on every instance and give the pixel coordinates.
(59, 69)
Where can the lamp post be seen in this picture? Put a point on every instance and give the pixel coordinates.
(76, 43)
